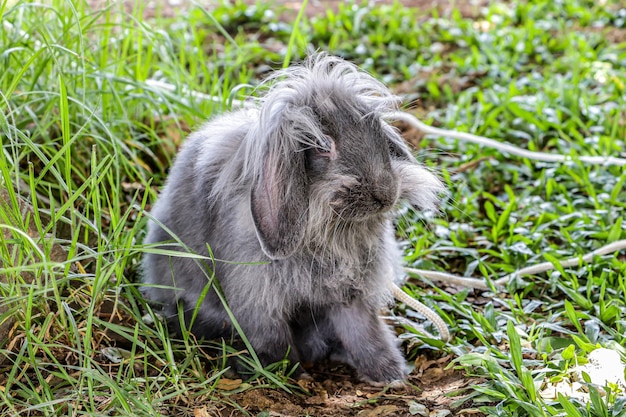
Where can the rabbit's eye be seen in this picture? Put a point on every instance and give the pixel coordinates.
(326, 147)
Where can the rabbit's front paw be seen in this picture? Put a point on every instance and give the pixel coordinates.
(395, 384)
(390, 371)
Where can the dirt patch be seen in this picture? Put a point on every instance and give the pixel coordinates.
(334, 391)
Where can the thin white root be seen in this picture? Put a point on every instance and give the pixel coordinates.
(616, 246)
(421, 308)
(195, 94)
(448, 278)
(529, 270)
(502, 147)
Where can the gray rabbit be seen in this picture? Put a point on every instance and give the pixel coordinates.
(292, 204)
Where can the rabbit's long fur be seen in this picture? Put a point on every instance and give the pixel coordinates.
(294, 199)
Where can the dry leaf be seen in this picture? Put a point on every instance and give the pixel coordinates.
(381, 411)
(228, 384)
(200, 412)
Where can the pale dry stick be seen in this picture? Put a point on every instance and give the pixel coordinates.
(502, 147)
(449, 279)
(195, 94)
(424, 310)
(616, 246)
(529, 270)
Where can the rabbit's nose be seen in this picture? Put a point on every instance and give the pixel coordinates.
(385, 192)
(385, 197)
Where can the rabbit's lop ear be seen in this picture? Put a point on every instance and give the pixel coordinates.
(280, 190)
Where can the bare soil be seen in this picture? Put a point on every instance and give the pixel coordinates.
(335, 391)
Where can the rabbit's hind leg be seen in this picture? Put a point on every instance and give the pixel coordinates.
(368, 345)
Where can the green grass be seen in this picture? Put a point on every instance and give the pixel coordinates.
(87, 142)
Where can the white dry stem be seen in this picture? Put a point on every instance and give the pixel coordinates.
(424, 310)
(502, 147)
(529, 270)
(185, 90)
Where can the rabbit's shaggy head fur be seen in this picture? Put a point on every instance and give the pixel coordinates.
(304, 183)
(320, 126)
